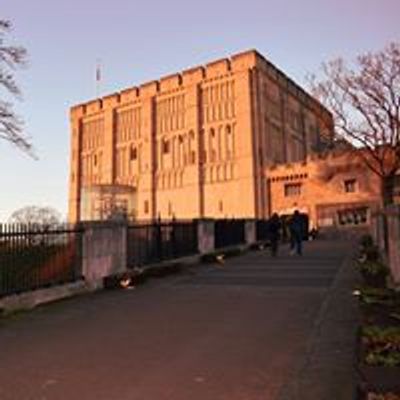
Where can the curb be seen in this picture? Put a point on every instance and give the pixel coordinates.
(328, 371)
(32, 299)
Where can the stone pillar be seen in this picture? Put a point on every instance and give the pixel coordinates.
(104, 251)
(250, 231)
(393, 224)
(205, 235)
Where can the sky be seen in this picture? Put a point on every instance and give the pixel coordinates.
(139, 41)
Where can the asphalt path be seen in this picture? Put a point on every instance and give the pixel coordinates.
(232, 331)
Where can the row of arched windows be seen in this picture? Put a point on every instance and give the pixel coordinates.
(92, 134)
(219, 173)
(127, 124)
(170, 115)
(91, 168)
(218, 101)
(177, 151)
(218, 92)
(128, 160)
(169, 180)
(219, 143)
(92, 142)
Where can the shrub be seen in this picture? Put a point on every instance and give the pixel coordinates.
(374, 272)
(366, 240)
(382, 345)
(372, 253)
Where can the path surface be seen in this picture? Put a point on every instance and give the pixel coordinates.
(248, 330)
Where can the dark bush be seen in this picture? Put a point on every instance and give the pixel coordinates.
(366, 241)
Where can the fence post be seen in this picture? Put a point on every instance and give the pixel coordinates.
(104, 251)
(173, 250)
(250, 231)
(205, 235)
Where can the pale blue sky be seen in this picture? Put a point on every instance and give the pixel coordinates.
(143, 40)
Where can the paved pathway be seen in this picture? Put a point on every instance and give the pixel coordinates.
(255, 328)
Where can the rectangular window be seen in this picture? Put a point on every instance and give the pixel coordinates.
(292, 189)
(350, 185)
(351, 217)
(146, 207)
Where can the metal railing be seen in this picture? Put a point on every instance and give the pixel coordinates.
(153, 242)
(262, 229)
(37, 256)
(229, 232)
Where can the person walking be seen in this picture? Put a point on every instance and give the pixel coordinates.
(295, 229)
(274, 227)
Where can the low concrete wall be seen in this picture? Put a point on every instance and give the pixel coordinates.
(29, 300)
(205, 235)
(250, 231)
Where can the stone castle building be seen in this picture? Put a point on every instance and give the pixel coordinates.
(193, 144)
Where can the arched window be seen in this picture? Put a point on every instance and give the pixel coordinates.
(229, 141)
(133, 153)
(192, 147)
(212, 145)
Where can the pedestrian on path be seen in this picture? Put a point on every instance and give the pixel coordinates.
(274, 227)
(295, 229)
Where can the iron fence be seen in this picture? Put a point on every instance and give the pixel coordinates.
(262, 229)
(153, 242)
(229, 232)
(37, 256)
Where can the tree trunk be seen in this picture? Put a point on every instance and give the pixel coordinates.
(387, 185)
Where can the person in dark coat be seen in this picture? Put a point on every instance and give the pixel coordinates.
(274, 227)
(295, 229)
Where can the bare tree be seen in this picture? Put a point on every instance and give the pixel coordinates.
(45, 217)
(11, 58)
(365, 101)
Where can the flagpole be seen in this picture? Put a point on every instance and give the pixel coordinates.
(98, 77)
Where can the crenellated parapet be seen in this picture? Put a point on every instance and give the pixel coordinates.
(176, 81)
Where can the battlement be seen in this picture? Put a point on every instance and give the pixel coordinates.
(213, 70)
(192, 76)
(170, 82)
